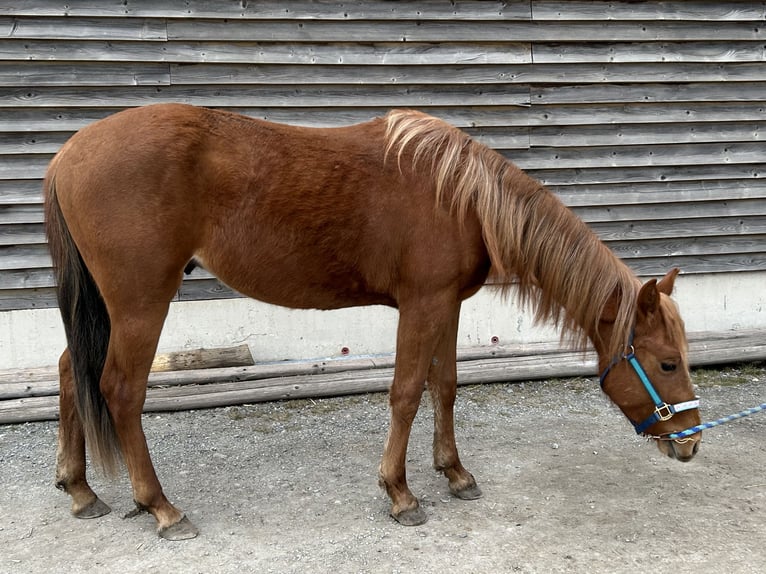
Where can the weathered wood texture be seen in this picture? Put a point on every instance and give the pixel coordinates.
(238, 356)
(33, 395)
(646, 117)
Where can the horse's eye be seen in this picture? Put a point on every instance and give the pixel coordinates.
(668, 367)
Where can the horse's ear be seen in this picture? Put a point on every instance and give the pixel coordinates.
(648, 298)
(609, 312)
(666, 283)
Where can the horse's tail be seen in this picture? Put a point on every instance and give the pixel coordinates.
(87, 328)
(534, 242)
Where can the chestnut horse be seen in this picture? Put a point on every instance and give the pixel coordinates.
(404, 210)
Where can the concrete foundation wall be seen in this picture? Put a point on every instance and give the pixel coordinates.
(35, 338)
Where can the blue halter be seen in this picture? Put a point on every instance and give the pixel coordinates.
(662, 411)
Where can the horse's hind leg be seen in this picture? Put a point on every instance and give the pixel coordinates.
(70, 456)
(442, 385)
(134, 336)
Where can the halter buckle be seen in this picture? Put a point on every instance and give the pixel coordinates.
(664, 412)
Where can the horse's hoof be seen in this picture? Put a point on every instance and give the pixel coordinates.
(181, 530)
(412, 517)
(469, 493)
(93, 510)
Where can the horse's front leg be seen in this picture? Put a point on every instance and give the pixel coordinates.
(70, 456)
(419, 329)
(442, 385)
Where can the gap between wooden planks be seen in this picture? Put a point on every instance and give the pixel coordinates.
(32, 395)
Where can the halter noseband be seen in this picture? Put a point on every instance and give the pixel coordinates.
(662, 410)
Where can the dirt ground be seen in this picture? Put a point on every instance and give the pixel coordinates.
(292, 487)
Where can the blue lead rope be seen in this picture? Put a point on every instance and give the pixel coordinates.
(694, 430)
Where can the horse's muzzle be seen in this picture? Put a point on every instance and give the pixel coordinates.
(681, 449)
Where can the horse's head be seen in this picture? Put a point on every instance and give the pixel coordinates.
(650, 380)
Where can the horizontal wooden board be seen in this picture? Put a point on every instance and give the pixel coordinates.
(454, 29)
(40, 141)
(26, 278)
(727, 153)
(731, 245)
(20, 233)
(27, 299)
(273, 9)
(660, 228)
(646, 134)
(655, 52)
(32, 256)
(456, 74)
(15, 191)
(731, 10)
(648, 174)
(649, 113)
(330, 96)
(286, 75)
(337, 53)
(32, 296)
(33, 120)
(726, 263)
(643, 193)
(457, 31)
(83, 74)
(24, 166)
(143, 29)
(636, 212)
(685, 91)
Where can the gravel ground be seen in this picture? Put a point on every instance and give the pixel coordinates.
(292, 487)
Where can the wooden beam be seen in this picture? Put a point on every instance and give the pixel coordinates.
(36, 396)
(203, 359)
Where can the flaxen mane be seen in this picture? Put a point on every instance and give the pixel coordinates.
(563, 270)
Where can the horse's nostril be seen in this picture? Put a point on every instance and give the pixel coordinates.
(696, 447)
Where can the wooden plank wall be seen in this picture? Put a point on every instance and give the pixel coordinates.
(646, 117)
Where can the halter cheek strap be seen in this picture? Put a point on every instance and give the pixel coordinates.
(662, 410)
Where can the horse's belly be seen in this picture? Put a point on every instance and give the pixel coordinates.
(307, 283)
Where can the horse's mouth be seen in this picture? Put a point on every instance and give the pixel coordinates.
(682, 451)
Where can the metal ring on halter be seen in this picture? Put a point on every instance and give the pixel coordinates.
(664, 412)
